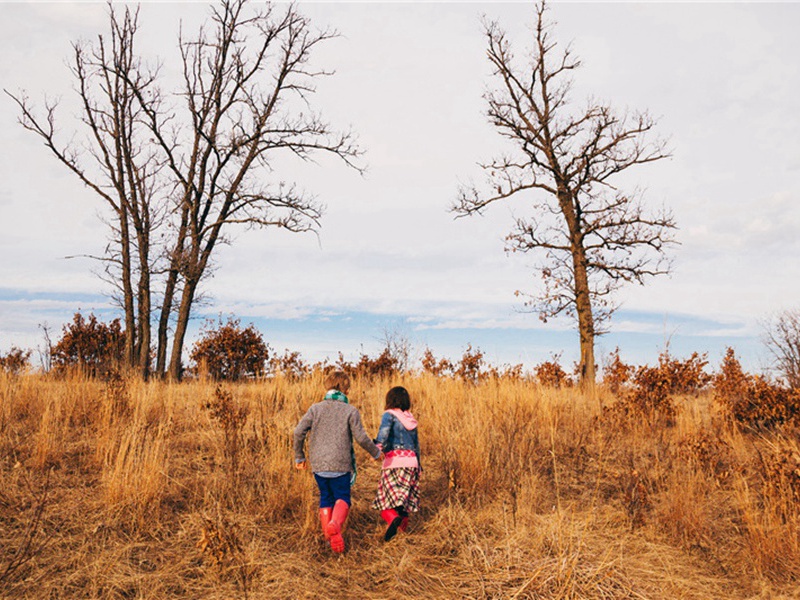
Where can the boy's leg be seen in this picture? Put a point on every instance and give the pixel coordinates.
(340, 486)
(326, 502)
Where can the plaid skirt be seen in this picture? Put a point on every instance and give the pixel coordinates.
(398, 487)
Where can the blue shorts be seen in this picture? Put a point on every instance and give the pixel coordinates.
(332, 489)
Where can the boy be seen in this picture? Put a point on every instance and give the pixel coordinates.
(333, 423)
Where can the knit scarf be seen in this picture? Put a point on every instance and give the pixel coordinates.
(338, 396)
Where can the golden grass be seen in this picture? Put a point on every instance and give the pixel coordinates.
(127, 489)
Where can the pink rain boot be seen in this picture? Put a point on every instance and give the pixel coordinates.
(336, 525)
(394, 520)
(324, 519)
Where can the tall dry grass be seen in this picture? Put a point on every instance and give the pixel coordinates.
(125, 489)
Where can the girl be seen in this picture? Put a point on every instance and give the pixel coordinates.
(398, 490)
(333, 424)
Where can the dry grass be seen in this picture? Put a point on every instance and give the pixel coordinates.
(126, 489)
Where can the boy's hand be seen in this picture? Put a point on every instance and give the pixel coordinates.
(380, 457)
(301, 466)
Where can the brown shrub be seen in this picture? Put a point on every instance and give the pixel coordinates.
(437, 368)
(651, 392)
(550, 374)
(291, 365)
(14, 361)
(751, 399)
(229, 352)
(90, 346)
(470, 366)
(616, 373)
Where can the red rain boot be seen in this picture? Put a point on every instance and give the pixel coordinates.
(336, 525)
(324, 519)
(404, 523)
(394, 520)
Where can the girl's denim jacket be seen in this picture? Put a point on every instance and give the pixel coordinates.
(393, 436)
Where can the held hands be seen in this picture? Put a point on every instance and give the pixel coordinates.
(301, 466)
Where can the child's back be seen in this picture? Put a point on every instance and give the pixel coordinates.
(330, 425)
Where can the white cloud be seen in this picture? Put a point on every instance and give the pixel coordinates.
(409, 80)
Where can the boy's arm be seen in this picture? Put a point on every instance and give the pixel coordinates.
(300, 433)
(360, 435)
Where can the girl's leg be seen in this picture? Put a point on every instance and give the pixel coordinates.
(393, 521)
(401, 510)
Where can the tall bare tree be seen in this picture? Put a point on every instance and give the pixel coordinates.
(117, 162)
(206, 165)
(247, 86)
(590, 236)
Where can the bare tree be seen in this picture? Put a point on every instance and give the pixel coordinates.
(247, 85)
(590, 236)
(201, 167)
(115, 161)
(782, 337)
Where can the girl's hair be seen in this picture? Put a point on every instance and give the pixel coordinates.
(398, 397)
(338, 380)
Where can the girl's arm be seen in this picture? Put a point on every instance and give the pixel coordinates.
(416, 449)
(384, 431)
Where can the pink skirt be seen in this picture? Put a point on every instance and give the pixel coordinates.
(398, 487)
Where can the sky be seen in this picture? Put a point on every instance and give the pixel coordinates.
(390, 259)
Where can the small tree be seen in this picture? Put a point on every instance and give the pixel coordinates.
(229, 352)
(89, 345)
(591, 236)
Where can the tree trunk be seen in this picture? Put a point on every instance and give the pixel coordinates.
(163, 322)
(583, 308)
(169, 293)
(143, 341)
(175, 362)
(127, 288)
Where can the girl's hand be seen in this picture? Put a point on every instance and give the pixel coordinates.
(301, 466)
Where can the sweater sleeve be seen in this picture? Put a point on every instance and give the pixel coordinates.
(300, 433)
(360, 435)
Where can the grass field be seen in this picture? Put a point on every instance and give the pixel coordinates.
(125, 489)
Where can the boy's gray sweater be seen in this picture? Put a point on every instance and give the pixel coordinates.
(333, 426)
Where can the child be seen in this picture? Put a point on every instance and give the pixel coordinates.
(333, 424)
(398, 490)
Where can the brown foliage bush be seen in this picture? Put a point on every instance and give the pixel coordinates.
(383, 365)
(436, 367)
(550, 374)
(290, 364)
(14, 361)
(651, 390)
(616, 373)
(230, 352)
(89, 345)
(751, 399)
(470, 366)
